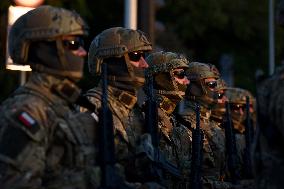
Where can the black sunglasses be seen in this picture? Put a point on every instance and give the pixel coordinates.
(135, 56)
(180, 74)
(73, 44)
(237, 107)
(211, 84)
(220, 95)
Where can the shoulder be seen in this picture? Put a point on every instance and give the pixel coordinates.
(25, 106)
(21, 128)
(29, 114)
(94, 96)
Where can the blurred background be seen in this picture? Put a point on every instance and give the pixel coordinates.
(242, 38)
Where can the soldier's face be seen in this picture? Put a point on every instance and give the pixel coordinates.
(241, 108)
(210, 83)
(238, 108)
(221, 97)
(75, 45)
(180, 76)
(137, 59)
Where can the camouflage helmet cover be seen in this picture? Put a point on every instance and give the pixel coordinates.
(238, 95)
(198, 71)
(115, 42)
(165, 62)
(43, 23)
(161, 68)
(221, 84)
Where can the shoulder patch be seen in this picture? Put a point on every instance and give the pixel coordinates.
(28, 121)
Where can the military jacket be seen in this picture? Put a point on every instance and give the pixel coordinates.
(269, 152)
(128, 124)
(42, 143)
(175, 145)
(213, 168)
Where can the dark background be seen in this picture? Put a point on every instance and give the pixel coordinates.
(234, 33)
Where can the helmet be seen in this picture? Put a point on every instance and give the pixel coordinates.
(36, 38)
(115, 42)
(112, 46)
(197, 89)
(43, 23)
(161, 62)
(238, 95)
(237, 100)
(161, 66)
(199, 71)
(221, 84)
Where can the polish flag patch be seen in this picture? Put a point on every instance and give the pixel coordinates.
(26, 119)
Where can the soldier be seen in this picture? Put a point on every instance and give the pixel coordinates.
(204, 91)
(268, 152)
(122, 52)
(169, 84)
(43, 144)
(236, 98)
(244, 129)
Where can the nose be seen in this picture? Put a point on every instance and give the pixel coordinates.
(81, 52)
(143, 63)
(225, 99)
(186, 81)
(241, 111)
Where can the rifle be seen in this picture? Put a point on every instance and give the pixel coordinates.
(109, 177)
(151, 114)
(197, 152)
(160, 164)
(231, 148)
(248, 139)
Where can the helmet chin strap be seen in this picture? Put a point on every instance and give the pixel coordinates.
(129, 66)
(137, 80)
(72, 64)
(61, 53)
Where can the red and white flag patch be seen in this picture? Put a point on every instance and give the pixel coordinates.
(26, 119)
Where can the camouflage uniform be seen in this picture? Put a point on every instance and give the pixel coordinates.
(113, 47)
(237, 100)
(174, 138)
(214, 138)
(269, 161)
(42, 143)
